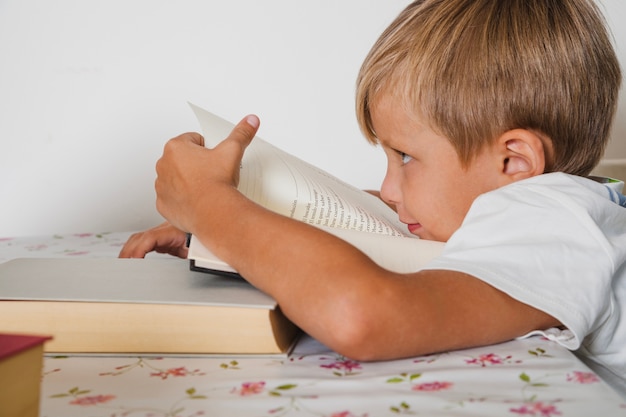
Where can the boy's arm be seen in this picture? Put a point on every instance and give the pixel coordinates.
(326, 286)
(343, 299)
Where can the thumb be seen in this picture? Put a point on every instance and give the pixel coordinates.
(244, 131)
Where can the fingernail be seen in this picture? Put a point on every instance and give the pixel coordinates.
(253, 121)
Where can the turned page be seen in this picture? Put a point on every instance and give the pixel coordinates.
(292, 187)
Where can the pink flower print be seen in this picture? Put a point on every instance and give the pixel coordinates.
(487, 359)
(78, 253)
(38, 247)
(83, 234)
(432, 386)
(345, 414)
(181, 371)
(582, 377)
(537, 409)
(347, 366)
(250, 388)
(92, 400)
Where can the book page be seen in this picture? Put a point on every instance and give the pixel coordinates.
(292, 187)
(396, 253)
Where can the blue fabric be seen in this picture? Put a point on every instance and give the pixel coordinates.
(619, 198)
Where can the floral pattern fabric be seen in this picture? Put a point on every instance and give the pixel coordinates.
(530, 377)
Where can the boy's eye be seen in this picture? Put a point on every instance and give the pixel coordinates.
(404, 157)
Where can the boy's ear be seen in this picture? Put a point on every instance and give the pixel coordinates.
(522, 154)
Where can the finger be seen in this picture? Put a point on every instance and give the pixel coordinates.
(162, 239)
(178, 251)
(244, 131)
(135, 247)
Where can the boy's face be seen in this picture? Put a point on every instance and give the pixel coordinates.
(425, 180)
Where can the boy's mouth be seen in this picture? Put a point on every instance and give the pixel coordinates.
(414, 228)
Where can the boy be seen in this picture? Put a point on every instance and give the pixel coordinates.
(490, 113)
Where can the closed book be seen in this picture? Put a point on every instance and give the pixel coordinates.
(21, 360)
(139, 306)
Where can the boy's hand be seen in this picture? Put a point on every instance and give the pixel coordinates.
(190, 176)
(164, 238)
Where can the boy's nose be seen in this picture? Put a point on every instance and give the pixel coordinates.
(389, 190)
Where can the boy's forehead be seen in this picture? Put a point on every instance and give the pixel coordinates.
(386, 117)
(393, 119)
(390, 112)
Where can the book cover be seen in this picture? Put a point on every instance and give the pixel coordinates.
(139, 306)
(21, 360)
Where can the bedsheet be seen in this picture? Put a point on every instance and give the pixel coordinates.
(531, 377)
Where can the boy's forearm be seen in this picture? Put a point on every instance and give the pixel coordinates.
(313, 275)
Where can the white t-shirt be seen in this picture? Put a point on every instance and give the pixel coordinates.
(556, 242)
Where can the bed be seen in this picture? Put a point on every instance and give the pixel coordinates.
(531, 377)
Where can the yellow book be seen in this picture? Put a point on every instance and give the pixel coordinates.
(21, 360)
(139, 306)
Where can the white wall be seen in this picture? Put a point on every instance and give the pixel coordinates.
(615, 13)
(91, 89)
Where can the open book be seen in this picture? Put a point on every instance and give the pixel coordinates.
(294, 188)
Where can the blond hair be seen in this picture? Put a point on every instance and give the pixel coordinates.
(475, 69)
